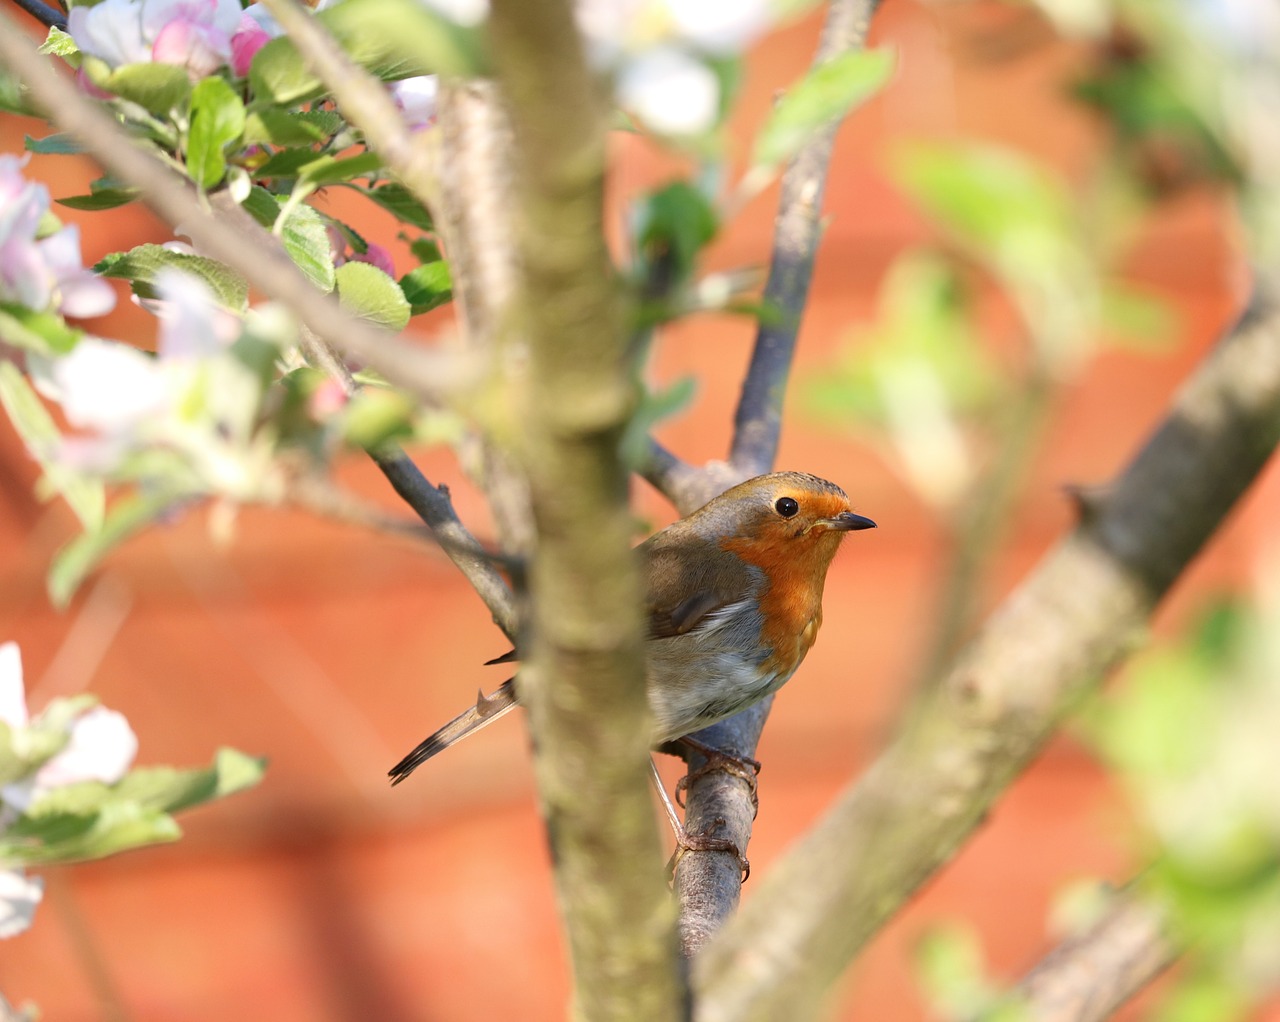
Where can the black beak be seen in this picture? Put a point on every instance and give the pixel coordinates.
(847, 521)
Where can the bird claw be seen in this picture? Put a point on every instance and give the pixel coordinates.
(743, 767)
(686, 842)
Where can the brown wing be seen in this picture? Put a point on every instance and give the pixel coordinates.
(686, 582)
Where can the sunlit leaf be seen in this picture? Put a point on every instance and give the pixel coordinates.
(142, 265)
(826, 94)
(217, 120)
(157, 87)
(369, 293)
(304, 233)
(59, 43)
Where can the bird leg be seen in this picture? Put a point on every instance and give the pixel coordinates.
(686, 842)
(743, 767)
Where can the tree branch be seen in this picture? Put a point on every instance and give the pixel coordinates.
(584, 679)
(432, 375)
(707, 885)
(796, 233)
(1052, 640)
(1089, 975)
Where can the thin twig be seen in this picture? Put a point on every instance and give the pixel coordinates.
(434, 507)
(435, 376)
(1091, 974)
(797, 231)
(1079, 613)
(50, 17)
(363, 100)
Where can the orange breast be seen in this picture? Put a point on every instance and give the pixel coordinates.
(791, 605)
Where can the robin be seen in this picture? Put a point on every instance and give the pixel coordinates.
(734, 599)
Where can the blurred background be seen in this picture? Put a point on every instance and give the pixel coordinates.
(323, 893)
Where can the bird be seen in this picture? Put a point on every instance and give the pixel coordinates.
(734, 598)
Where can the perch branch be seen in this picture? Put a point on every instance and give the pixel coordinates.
(584, 679)
(707, 885)
(1081, 611)
(434, 376)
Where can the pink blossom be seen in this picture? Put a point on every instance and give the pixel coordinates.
(46, 273)
(195, 34)
(100, 744)
(327, 400)
(250, 37)
(416, 98)
(376, 255)
(19, 896)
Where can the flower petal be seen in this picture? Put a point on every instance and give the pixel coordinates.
(19, 896)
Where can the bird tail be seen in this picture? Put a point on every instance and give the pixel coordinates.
(486, 710)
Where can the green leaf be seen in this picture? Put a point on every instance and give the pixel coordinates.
(304, 233)
(425, 250)
(107, 198)
(127, 516)
(369, 293)
(43, 332)
(401, 203)
(60, 144)
(116, 827)
(989, 197)
(170, 790)
(306, 238)
(375, 417)
(35, 425)
(158, 88)
(25, 749)
(675, 224)
(427, 287)
(13, 97)
(826, 94)
(90, 820)
(326, 170)
(140, 266)
(59, 43)
(280, 127)
(287, 162)
(217, 120)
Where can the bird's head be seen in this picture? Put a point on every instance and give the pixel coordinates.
(785, 508)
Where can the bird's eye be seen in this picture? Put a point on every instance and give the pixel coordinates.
(786, 506)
